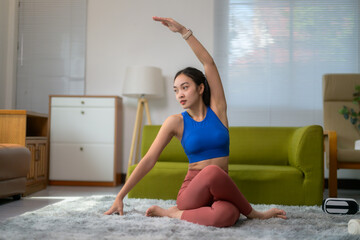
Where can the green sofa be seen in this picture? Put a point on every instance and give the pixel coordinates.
(270, 165)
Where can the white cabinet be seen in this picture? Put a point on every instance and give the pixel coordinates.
(85, 140)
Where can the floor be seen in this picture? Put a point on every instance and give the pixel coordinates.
(50, 195)
(53, 194)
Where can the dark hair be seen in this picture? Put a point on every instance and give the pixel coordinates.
(199, 78)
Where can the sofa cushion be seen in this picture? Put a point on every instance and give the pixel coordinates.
(245, 143)
(163, 181)
(264, 172)
(280, 184)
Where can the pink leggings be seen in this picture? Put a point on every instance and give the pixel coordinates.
(210, 197)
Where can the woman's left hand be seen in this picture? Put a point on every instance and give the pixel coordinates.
(171, 24)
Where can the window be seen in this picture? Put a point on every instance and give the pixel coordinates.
(51, 52)
(272, 56)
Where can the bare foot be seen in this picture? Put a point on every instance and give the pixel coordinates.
(272, 213)
(156, 211)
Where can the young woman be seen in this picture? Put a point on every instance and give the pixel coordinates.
(208, 195)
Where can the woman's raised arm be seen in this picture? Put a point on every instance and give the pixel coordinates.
(217, 101)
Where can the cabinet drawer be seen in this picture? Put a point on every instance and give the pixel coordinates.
(82, 162)
(90, 125)
(82, 102)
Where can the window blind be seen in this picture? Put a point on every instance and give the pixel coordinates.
(272, 56)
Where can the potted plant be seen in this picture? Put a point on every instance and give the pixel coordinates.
(353, 115)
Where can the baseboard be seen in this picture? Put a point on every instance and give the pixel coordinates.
(81, 183)
(346, 184)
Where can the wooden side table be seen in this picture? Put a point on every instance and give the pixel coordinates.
(28, 129)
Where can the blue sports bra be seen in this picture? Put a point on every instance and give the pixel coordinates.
(206, 139)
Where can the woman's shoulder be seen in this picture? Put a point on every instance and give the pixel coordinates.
(174, 119)
(174, 124)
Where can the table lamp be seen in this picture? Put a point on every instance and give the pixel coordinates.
(141, 82)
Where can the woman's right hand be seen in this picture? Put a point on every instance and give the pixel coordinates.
(171, 24)
(117, 207)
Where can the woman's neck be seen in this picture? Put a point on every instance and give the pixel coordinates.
(198, 112)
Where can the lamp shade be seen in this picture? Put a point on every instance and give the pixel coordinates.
(143, 81)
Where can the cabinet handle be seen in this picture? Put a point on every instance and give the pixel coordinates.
(82, 112)
(81, 149)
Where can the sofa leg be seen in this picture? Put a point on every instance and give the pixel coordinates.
(16, 197)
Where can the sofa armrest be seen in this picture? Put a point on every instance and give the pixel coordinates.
(306, 153)
(306, 149)
(14, 161)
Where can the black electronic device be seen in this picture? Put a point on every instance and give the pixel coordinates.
(340, 206)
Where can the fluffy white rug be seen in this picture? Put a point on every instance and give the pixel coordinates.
(83, 218)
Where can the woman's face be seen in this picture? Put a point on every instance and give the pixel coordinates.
(186, 91)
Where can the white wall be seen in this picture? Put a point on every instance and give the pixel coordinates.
(122, 33)
(8, 35)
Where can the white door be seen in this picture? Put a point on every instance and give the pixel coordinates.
(51, 51)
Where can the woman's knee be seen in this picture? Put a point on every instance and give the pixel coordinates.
(213, 172)
(225, 214)
(181, 204)
(185, 203)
